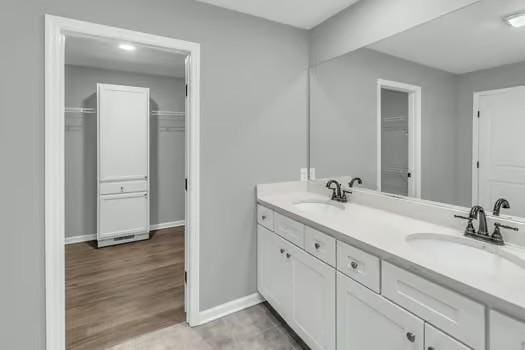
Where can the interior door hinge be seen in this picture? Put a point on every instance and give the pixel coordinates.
(185, 184)
(477, 164)
(186, 90)
(479, 114)
(185, 277)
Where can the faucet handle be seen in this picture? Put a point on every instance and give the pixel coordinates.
(498, 225)
(469, 230)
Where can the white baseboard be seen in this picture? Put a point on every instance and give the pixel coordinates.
(83, 238)
(167, 225)
(230, 308)
(93, 237)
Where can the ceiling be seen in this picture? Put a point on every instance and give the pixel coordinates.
(297, 13)
(467, 40)
(105, 54)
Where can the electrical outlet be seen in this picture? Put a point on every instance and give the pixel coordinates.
(304, 174)
(312, 173)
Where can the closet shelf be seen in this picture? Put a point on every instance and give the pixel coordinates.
(155, 113)
(81, 110)
(168, 114)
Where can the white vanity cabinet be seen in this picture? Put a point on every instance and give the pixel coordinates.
(299, 286)
(506, 333)
(365, 320)
(437, 340)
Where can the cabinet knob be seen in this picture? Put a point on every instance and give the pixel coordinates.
(263, 217)
(288, 255)
(431, 348)
(411, 337)
(282, 251)
(317, 245)
(121, 188)
(354, 265)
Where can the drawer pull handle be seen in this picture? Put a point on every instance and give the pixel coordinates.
(263, 217)
(282, 251)
(288, 255)
(411, 337)
(431, 348)
(121, 188)
(317, 246)
(354, 265)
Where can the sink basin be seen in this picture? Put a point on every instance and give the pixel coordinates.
(320, 206)
(469, 255)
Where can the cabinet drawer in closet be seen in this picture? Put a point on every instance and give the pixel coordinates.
(451, 312)
(123, 214)
(123, 187)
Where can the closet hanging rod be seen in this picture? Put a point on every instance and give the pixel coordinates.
(82, 110)
(168, 113)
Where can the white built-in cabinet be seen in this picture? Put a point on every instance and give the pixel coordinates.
(506, 333)
(300, 287)
(123, 163)
(366, 320)
(364, 303)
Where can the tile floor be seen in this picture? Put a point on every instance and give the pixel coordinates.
(256, 328)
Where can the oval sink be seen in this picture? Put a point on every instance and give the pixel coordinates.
(320, 206)
(466, 254)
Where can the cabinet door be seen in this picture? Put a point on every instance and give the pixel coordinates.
(123, 214)
(437, 340)
(274, 272)
(506, 333)
(366, 320)
(123, 124)
(313, 299)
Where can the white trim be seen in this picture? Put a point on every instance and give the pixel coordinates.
(166, 225)
(230, 307)
(56, 28)
(80, 239)
(414, 132)
(93, 237)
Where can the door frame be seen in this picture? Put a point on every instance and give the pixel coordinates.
(414, 132)
(56, 29)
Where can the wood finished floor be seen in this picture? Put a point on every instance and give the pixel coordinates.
(119, 293)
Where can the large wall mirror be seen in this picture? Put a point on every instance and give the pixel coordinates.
(436, 112)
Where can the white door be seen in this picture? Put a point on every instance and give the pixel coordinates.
(313, 300)
(501, 170)
(437, 340)
(366, 320)
(123, 122)
(274, 271)
(506, 333)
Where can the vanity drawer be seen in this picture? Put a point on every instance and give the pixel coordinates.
(289, 229)
(123, 187)
(435, 339)
(451, 312)
(360, 266)
(265, 217)
(320, 245)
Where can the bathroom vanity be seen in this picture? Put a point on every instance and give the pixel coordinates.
(383, 272)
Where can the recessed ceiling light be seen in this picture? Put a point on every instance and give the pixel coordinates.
(516, 20)
(127, 47)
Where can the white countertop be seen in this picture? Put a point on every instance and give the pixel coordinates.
(385, 234)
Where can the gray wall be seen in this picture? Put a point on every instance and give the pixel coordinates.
(166, 147)
(253, 127)
(489, 79)
(344, 119)
(369, 21)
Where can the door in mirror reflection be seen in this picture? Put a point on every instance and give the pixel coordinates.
(394, 142)
(501, 172)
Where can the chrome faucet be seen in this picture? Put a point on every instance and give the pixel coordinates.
(500, 203)
(337, 194)
(478, 213)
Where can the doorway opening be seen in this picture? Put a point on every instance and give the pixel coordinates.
(121, 172)
(398, 138)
